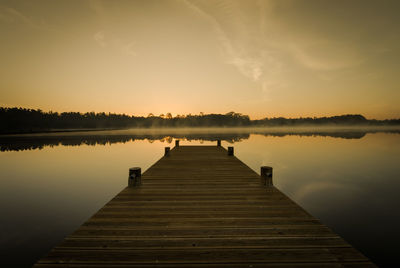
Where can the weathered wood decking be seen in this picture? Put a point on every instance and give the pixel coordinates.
(200, 207)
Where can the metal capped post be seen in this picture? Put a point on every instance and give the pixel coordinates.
(176, 143)
(230, 150)
(135, 177)
(167, 149)
(218, 142)
(266, 175)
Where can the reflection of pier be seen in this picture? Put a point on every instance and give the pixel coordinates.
(198, 206)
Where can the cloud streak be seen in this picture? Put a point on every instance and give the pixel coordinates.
(12, 15)
(99, 37)
(241, 45)
(334, 56)
(116, 44)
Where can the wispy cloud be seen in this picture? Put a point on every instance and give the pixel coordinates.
(247, 51)
(125, 47)
(116, 44)
(99, 37)
(12, 15)
(251, 68)
(263, 47)
(97, 6)
(107, 38)
(326, 55)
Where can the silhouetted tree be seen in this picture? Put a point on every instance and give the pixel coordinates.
(20, 120)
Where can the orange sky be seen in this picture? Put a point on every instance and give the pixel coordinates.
(261, 58)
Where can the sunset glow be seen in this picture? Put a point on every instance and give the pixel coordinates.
(261, 58)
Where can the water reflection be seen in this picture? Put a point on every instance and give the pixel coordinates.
(346, 178)
(39, 141)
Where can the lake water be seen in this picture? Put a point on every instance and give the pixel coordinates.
(349, 179)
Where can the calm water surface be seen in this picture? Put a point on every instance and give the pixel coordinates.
(50, 184)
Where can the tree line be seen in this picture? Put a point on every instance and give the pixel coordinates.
(22, 120)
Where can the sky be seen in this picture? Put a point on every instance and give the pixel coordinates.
(292, 58)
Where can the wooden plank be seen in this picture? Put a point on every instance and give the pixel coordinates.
(199, 207)
(200, 231)
(196, 255)
(91, 242)
(365, 264)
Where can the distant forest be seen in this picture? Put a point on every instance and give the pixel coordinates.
(21, 120)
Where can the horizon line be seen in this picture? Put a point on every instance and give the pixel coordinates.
(162, 115)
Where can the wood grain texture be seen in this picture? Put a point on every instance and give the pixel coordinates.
(199, 207)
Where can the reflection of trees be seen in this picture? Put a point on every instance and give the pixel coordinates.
(343, 135)
(19, 143)
(28, 142)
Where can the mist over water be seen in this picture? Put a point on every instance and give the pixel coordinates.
(348, 178)
(229, 134)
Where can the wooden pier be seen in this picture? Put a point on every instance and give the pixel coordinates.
(200, 207)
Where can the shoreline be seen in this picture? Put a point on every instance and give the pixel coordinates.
(200, 130)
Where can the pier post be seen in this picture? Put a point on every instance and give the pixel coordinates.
(218, 142)
(176, 143)
(230, 150)
(266, 175)
(135, 177)
(167, 149)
